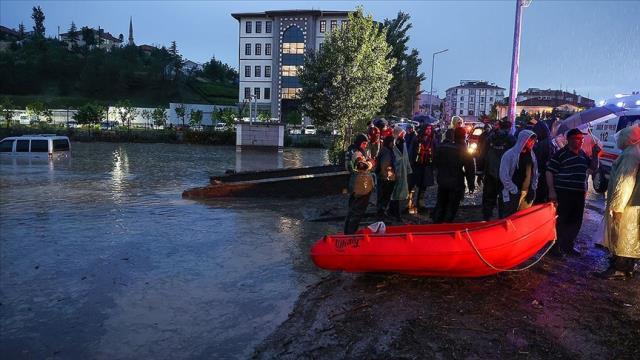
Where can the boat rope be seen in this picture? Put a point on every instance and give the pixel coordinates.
(473, 245)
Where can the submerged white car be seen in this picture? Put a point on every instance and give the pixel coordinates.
(36, 146)
(310, 130)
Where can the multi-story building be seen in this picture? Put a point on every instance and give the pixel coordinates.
(472, 99)
(543, 102)
(271, 49)
(100, 38)
(558, 96)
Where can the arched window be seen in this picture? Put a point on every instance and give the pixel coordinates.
(293, 41)
(292, 59)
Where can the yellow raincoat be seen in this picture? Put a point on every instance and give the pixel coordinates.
(622, 235)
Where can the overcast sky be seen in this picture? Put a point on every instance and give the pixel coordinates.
(590, 46)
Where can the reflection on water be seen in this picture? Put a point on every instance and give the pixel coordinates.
(100, 256)
(119, 172)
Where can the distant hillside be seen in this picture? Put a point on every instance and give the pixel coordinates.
(45, 70)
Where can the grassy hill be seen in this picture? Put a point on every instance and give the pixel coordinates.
(45, 70)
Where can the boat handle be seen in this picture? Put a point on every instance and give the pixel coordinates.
(473, 245)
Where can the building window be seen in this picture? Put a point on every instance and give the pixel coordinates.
(461, 112)
(293, 48)
(247, 71)
(289, 70)
(256, 92)
(334, 24)
(470, 112)
(247, 49)
(267, 49)
(257, 71)
(344, 23)
(248, 27)
(461, 98)
(267, 93)
(267, 27)
(267, 73)
(320, 46)
(481, 98)
(491, 99)
(290, 93)
(323, 26)
(472, 98)
(247, 93)
(258, 27)
(258, 49)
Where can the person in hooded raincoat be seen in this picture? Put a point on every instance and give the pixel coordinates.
(357, 161)
(622, 214)
(519, 174)
(403, 170)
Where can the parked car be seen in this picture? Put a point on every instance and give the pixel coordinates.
(108, 125)
(310, 130)
(72, 124)
(295, 130)
(220, 127)
(605, 133)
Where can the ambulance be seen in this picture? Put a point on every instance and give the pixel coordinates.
(605, 133)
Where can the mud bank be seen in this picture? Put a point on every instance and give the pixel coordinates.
(557, 309)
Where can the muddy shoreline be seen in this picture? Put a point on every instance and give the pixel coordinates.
(556, 309)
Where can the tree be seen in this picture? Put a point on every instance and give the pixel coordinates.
(406, 76)
(48, 115)
(347, 82)
(21, 31)
(126, 112)
(195, 117)
(146, 115)
(264, 115)
(218, 71)
(159, 116)
(90, 113)
(181, 113)
(6, 108)
(35, 109)
(228, 116)
(293, 118)
(176, 58)
(73, 33)
(38, 20)
(88, 36)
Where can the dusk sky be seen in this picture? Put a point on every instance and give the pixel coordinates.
(590, 46)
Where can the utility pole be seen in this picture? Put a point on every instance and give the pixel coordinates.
(515, 63)
(433, 60)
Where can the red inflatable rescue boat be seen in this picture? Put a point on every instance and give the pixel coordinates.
(448, 250)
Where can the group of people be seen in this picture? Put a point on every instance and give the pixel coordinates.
(515, 171)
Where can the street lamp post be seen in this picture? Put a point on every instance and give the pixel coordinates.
(515, 63)
(433, 60)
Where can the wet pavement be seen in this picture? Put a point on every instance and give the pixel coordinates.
(556, 310)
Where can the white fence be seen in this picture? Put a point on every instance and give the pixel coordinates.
(62, 116)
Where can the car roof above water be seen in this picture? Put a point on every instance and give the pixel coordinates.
(38, 137)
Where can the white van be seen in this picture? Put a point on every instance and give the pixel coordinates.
(49, 146)
(605, 132)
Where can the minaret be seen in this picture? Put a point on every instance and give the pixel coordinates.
(131, 31)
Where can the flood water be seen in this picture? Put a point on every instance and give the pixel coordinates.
(100, 257)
